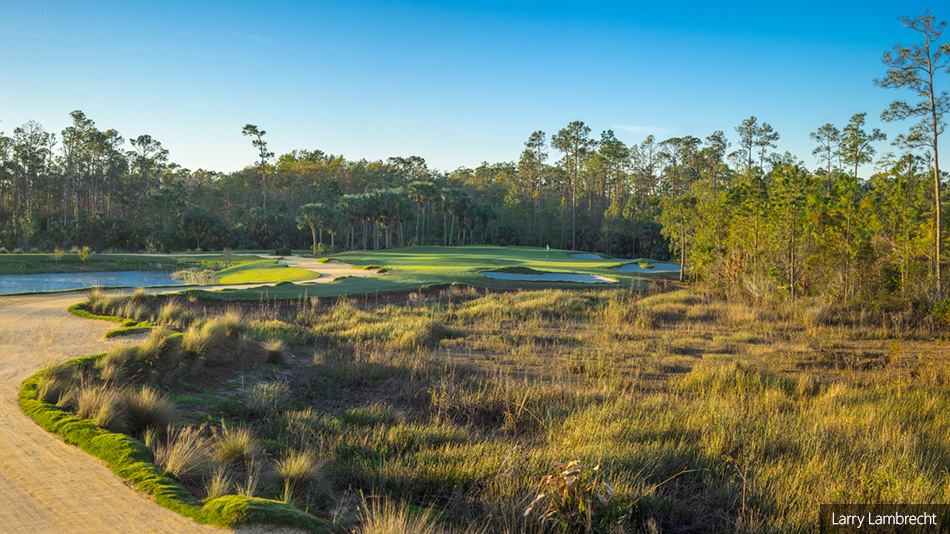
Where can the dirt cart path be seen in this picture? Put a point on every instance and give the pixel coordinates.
(329, 271)
(45, 484)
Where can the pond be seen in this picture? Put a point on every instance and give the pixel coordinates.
(552, 277)
(28, 283)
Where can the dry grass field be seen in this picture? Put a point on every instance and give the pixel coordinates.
(457, 410)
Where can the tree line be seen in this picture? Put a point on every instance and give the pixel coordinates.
(736, 212)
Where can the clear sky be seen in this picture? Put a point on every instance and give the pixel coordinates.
(457, 83)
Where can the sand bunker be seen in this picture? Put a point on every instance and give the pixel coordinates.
(657, 268)
(587, 256)
(552, 277)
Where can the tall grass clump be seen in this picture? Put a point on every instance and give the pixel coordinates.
(220, 484)
(275, 351)
(56, 383)
(383, 516)
(148, 408)
(297, 470)
(266, 399)
(184, 454)
(171, 312)
(161, 348)
(196, 277)
(118, 363)
(424, 333)
(104, 405)
(102, 303)
(236, 447)
(199, 339)
(233, 322)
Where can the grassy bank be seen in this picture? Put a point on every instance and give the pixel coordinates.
(111, 406)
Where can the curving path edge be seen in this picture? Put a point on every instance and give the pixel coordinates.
(45, 484)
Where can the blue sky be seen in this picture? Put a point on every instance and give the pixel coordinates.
(457, 83)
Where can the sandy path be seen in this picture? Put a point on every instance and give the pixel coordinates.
(329, 271)
(46, 485)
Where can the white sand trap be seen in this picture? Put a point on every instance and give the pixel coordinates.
(657, 268)
(587, 256)
(552, 277)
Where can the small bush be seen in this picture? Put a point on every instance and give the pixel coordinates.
(283, 252)
(571, 501)
(274, 348)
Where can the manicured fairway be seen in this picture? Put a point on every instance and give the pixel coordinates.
(410, 268)
(263, 271)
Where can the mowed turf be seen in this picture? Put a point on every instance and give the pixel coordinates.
(263, 271)
(412, 268)
(68, 263)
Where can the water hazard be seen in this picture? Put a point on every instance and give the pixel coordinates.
(29, 283)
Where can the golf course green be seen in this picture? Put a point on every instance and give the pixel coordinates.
(410, 268)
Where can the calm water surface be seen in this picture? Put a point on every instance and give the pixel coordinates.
(23, 283)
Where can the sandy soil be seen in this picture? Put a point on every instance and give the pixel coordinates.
(45, 484)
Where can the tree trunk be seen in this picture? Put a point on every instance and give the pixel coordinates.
(939, 221)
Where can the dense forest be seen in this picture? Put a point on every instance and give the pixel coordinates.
(736, 214)
(741, 213)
